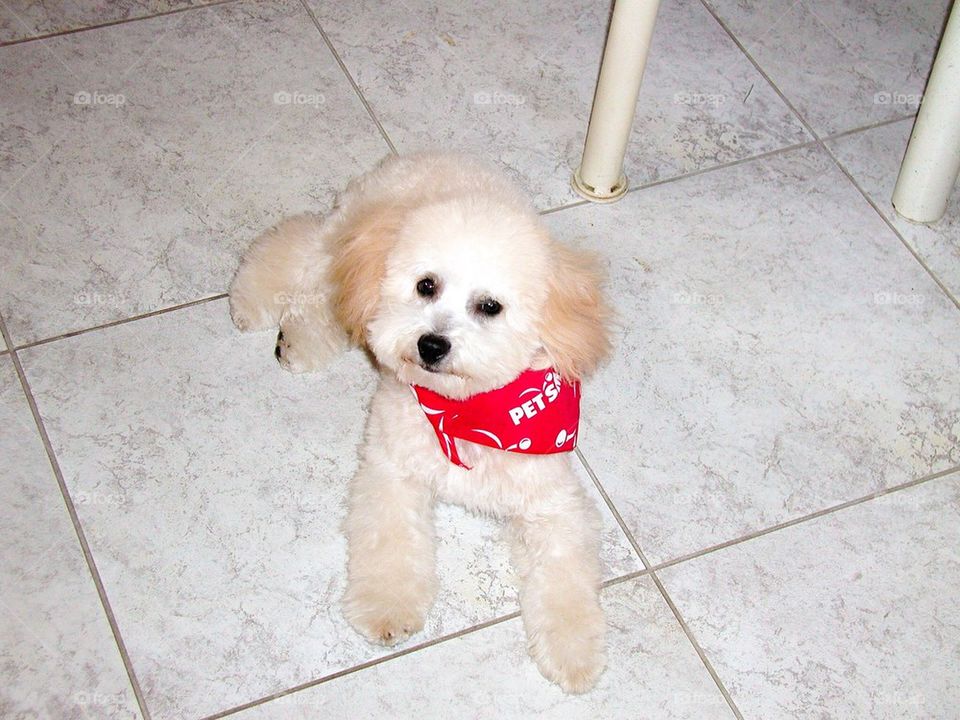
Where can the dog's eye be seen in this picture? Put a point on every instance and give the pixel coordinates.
(489, 307)
(427, 287)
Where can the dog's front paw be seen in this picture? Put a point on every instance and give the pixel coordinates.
(568, 648)
(382, 616)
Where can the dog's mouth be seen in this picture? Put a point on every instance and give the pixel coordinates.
(414, 367)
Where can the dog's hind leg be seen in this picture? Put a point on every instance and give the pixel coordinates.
(309, 334)
(281, 267)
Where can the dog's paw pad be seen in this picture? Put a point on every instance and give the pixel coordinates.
(241, 323)
(388, 633)
(287, 356)
(384, 619)
(389, 627)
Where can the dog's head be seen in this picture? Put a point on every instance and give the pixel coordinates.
(463, 294)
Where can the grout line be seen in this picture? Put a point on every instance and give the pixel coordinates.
(648, 570)
(365, 665)
(392, 656)
(651, 570)
(558, 208)
(693, 641)
(683, 176)
(406, 651)
(807, 518)
(816, 515)
(821, 142)
(763, 73)
(893, 228)
(663, 591)
(77, 527)
(548, 211)
(722, 166)
(613, 508)
(111, 23)
(579, 203)
(871, 126)
(343, 67)
(123, 321)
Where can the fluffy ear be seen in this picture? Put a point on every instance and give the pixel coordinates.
(359, 260)
(573, 328)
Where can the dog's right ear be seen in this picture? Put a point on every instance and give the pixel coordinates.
(359, 260)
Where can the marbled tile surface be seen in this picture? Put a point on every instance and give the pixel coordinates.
(21, 19)
(220, 545)
(58, 656)
(136, 161)
(514, 81)
(873, 157)
(779, 352)
(852, 615)
(842, 64)
(653, 672)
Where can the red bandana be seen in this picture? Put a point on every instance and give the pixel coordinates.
(538, 413)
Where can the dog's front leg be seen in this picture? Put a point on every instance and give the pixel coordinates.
(556, 551)
(391, 572)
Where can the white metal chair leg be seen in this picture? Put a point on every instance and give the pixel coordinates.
(600, 177)
(932, 163)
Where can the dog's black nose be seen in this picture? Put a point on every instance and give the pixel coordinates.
(433, 348)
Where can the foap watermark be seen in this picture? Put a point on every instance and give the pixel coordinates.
(100, 700)
(898, 98)
(300, 700)
(85, 97)
(495, 97)
(714, 99)
(284, 298)
(901, 700)
(286, 97)
(699, 699)
(894, 298)
(90, 298)
(695, 298)
(97, 497)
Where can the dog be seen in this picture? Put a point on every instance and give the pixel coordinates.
(438, 266)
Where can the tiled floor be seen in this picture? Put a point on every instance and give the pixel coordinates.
(775, 444)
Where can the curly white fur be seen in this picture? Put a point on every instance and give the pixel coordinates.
(355, 275)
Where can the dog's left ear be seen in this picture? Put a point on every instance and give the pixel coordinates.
(573, 328)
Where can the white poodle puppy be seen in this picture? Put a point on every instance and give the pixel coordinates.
(446, 274)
